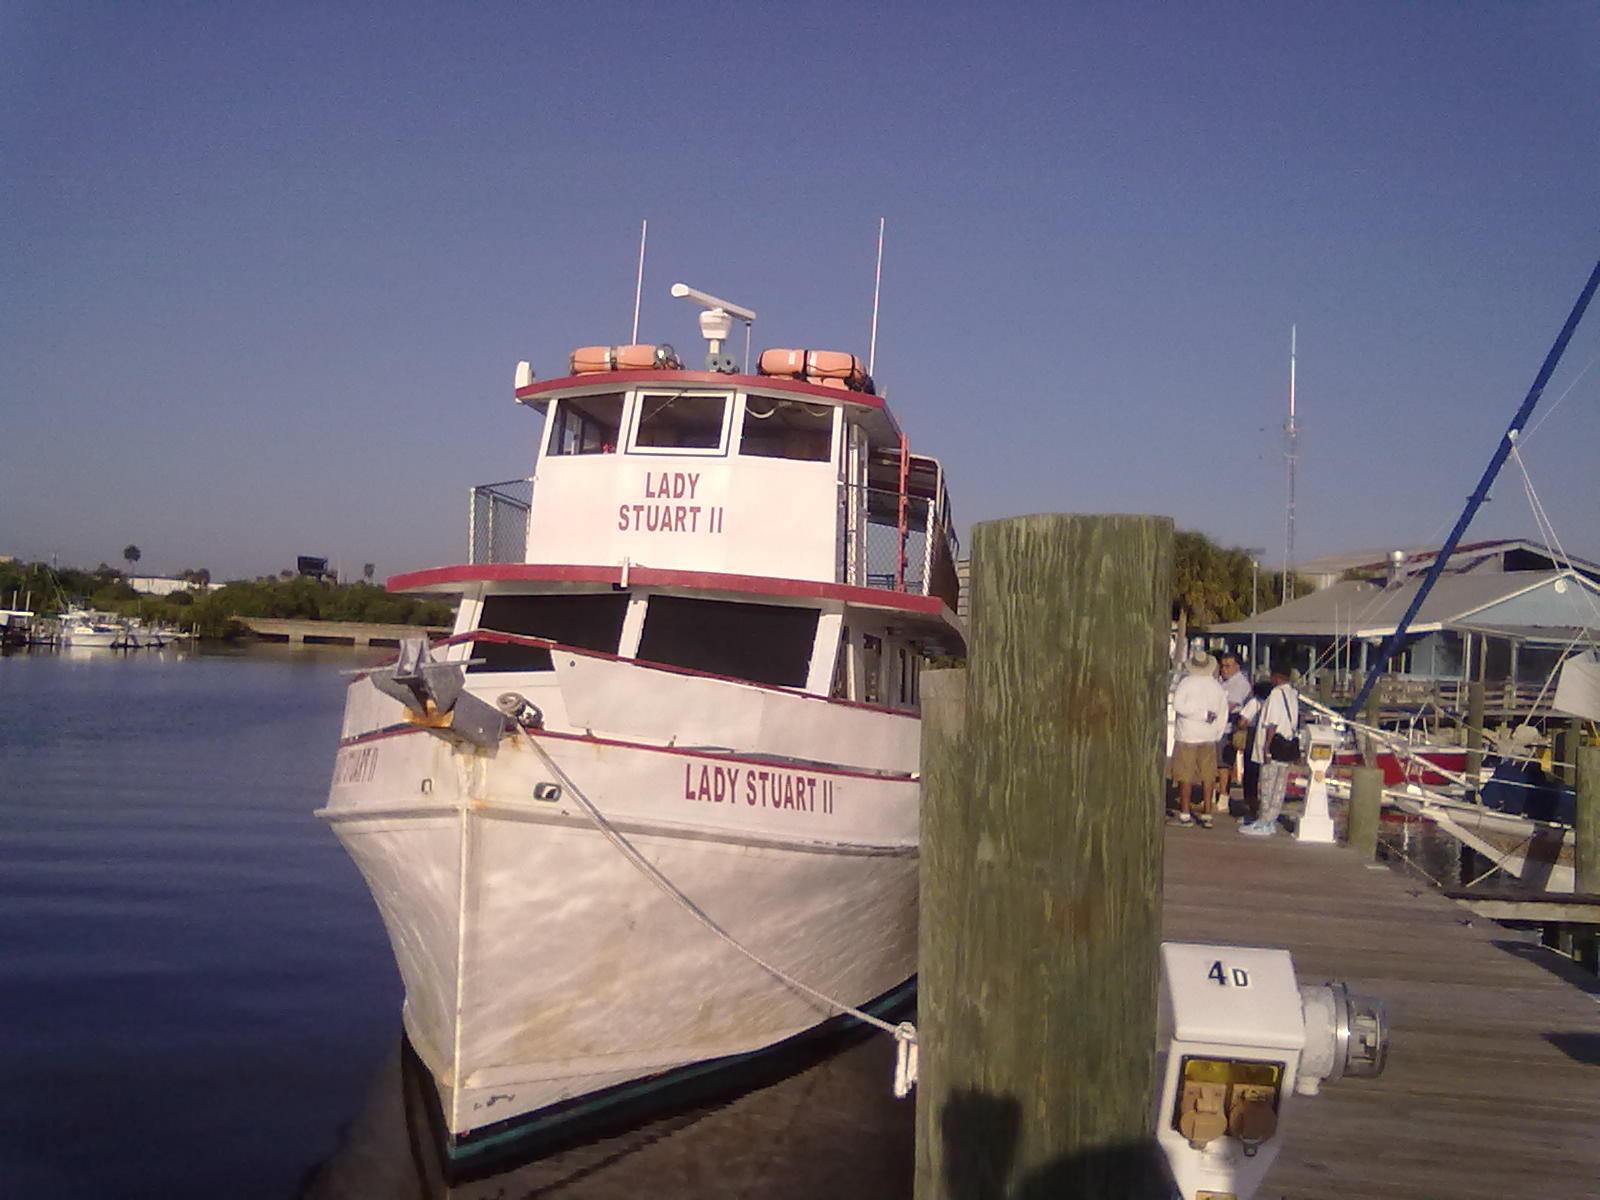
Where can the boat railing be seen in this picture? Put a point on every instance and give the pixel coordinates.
(1502, 699)
(885, 541)
(900, 544)
(497, 521)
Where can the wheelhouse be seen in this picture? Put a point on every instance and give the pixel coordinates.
(773, 531)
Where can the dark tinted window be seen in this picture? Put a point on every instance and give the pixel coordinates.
(586, 424)
(764, 643)
(590, 622)
(787, 429)
(681, 422)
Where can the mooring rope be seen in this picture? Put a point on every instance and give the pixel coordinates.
(905, 1033)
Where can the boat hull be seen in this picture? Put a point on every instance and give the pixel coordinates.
(1413, 768)
(542, 965)
(103, 639)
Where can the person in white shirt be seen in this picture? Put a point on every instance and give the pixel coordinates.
(1236, 687)
(1280, 717)
(1200, 710)
(1248, 714)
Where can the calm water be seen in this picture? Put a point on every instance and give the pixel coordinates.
(196, 989)
(197, 997)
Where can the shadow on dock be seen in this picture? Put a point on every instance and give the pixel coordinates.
(1561, 967)
(1579, 1047)
(980, 1149)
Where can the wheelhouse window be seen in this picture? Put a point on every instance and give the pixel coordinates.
(787, 429)
(680, 421)
(589, 621)
(762, 643)
(586, 424)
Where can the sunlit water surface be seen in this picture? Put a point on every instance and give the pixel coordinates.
(195, 988)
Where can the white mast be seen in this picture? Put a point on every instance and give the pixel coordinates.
(1292, 454)
(877, 283)
(638, 287)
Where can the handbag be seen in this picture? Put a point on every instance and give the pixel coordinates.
(1283, 749)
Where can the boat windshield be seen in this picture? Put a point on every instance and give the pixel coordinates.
(787, 429)
(587, 621)
(586, 424)
(762, 643)
(680, 421)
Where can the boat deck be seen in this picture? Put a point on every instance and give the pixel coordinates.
(1492, 1087)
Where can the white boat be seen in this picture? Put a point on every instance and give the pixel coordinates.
(694, 684)
(85, 628)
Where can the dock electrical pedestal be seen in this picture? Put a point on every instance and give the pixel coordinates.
(1316, 825)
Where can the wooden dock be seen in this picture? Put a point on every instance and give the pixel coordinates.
(1493, 1082)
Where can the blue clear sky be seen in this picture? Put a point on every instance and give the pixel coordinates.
(265, 269)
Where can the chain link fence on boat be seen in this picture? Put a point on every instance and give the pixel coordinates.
(497, 523)
(871, 548)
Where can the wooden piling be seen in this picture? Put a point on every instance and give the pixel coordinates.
(1565, 751)
(1041, 868)
(1475, 698)
(1366, 801)
(1586, 822)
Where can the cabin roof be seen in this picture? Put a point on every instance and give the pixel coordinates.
(873, 410)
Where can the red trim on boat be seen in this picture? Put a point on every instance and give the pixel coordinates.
(709, 581)
(389, 731)
(518, 639)
(540, 391)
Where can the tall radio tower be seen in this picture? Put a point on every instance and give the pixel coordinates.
(1292, 455)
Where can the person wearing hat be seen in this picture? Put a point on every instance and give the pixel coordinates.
(1200, 709)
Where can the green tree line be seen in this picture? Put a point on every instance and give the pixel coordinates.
(212, 613)
(1211, 583)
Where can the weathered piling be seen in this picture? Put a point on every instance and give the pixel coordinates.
(1366, 800)
(1370, 713)
(1041, 868)
(1475, 699)
(1567, 740)
(1586, 822)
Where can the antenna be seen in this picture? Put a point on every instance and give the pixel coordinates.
(1292, 454)
(877, 284)
(638, 287)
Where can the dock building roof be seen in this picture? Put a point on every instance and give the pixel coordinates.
(1543, 600)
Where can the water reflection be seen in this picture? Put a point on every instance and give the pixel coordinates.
(830, 1129)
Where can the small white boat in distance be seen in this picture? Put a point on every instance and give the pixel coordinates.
(84, 628)
(696, 639)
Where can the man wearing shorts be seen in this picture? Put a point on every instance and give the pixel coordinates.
(1200, 710)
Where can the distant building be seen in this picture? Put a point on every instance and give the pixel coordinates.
(1499, 625)
(166, 585)
(1504, 556)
